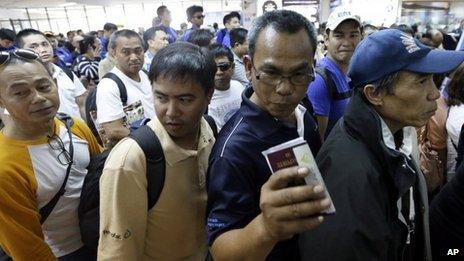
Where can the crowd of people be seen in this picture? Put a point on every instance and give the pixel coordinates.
(124, 145)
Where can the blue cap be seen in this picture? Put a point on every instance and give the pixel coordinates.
(390, 50)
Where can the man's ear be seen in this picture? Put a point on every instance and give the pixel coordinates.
(373, 96)
(326, 39)
(209, 95)
(248, 63)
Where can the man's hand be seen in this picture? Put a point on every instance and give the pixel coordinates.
(287, 211)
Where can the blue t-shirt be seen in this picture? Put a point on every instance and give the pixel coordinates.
(187, 33)
(319, 96)
(237, 170)
(172, 34)
(223, 37)
(104, 47)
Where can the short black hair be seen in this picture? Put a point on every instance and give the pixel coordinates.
(185, 61)
(161, 10)
(201, 37)
(7, 34)
(24, 33)
(238, 35)
(150, 33)
(283, 21)
(192, 10)
(123, 33)
(229, 17)
(86, 43)
(405, 29)
(219, 50)
(110, 27)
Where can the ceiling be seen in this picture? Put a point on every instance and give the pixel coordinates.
(11, 4)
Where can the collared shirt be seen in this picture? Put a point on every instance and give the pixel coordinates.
(239, 71)
(148, 57)
(68, 90)
(389, 139)
(238, 170)
(319, 95)
(174, 228)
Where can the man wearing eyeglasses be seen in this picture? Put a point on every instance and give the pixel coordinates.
(194, 16)
(35, 156)
(251, 214)
(227, 93)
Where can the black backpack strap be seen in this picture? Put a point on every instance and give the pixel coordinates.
(68, 72)
(212, 124)
(329, 83)
(121, 86)
(47, 209)
(156, 168)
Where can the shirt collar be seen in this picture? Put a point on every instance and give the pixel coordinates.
(264, 123)
(57, 71)
(149, 54)
(174, 153)
(388, 139)
(236, 58)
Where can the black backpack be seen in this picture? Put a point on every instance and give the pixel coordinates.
(91, 102)
(332, 89)
(89, 206)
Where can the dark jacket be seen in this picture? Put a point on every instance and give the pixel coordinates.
(365, 180)
(447, 216)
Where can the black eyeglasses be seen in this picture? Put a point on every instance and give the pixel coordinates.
(199, 16)
(56, 143)
(224, 66)
(5, 56)
(276, 79)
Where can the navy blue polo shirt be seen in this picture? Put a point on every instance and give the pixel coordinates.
(237, 170)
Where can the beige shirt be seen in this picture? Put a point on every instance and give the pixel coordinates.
(105, 66)
(174, 228)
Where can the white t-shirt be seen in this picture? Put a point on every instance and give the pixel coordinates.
(109, 104)
(224, 104)
(453, 127)
(68, 90)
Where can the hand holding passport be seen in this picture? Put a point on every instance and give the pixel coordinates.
(296, 152)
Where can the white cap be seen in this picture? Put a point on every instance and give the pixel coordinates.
(339, 15)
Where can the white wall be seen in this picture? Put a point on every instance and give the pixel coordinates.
(134, 15)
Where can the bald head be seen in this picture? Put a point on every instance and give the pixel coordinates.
(437, 37)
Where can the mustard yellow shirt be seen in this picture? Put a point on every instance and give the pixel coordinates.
(174, 229)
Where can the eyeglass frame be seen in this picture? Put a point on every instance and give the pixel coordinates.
(280, 78)
(18, 53)
(60, 147)
(199, 16)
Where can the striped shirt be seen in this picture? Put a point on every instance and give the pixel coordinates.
(83, 66)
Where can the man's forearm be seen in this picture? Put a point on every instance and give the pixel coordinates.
(249, 243)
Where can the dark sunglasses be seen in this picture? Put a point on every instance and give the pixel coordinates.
(199, 16)
(5, 56)
(224, 66)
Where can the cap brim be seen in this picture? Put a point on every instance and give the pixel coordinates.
(437, 61)
(333, 27)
